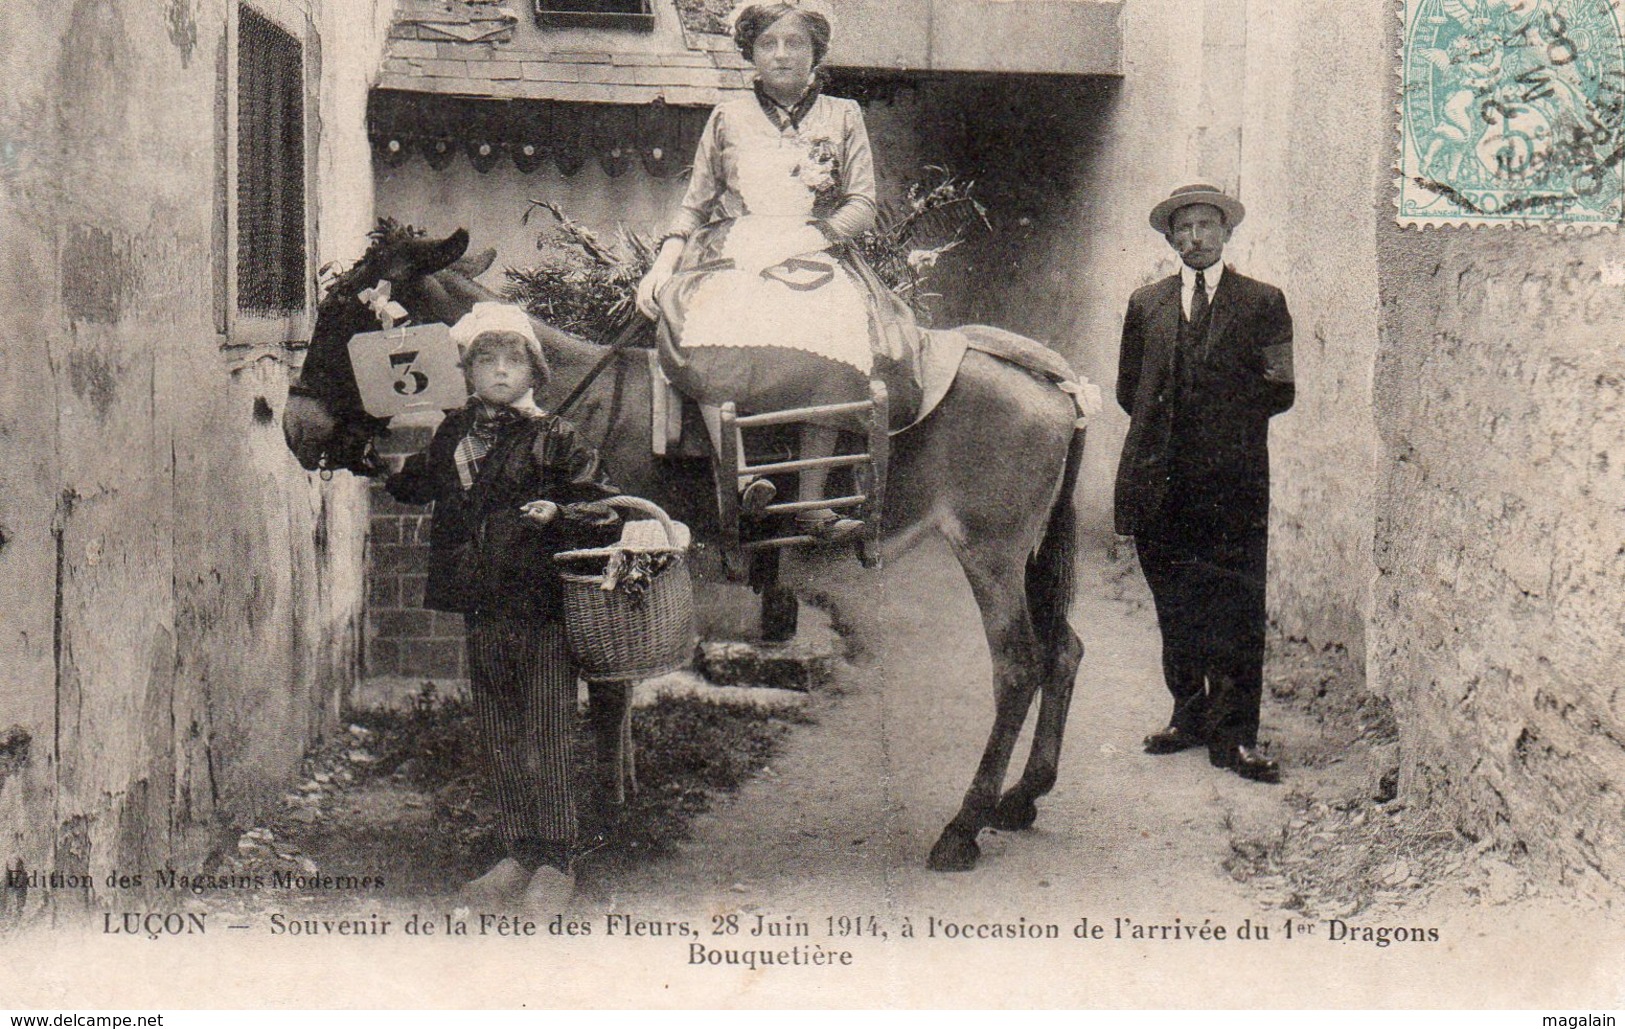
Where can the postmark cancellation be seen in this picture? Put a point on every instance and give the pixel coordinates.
(1512, 112)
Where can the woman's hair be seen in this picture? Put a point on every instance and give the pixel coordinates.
(755, 19)
(540, 373)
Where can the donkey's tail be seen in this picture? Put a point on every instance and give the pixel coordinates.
(1052, 569)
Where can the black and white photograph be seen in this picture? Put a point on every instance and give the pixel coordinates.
(813, 504)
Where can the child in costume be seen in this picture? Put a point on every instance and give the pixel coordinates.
(511, 486)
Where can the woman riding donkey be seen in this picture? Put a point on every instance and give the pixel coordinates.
(761, 297)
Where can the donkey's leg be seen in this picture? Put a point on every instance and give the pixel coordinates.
(1016, 809)
(995, 579)
(780, 609)
(1051, 582)
(629, 754)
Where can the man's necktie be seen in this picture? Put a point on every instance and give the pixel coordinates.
(1199, 304)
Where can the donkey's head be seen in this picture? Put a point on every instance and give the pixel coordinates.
(324, 423)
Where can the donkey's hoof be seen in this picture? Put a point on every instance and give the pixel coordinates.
(954, 852)
(1014, 813)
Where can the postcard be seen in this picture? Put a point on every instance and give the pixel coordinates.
(1100, 504)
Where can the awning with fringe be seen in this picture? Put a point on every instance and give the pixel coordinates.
(658, 137)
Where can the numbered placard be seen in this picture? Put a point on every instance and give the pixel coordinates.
(407, 369)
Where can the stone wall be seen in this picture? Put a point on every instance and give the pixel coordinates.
(1315, 149)
(181, 601)
(1499, 621)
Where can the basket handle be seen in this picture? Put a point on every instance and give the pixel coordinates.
(647, 507)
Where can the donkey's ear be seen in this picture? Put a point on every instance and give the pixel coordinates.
(418, 257)
(443, 253)
(475, 265)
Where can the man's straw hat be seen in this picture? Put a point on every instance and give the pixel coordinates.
(1200, 193)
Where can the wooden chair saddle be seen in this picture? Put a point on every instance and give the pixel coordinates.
(743, 537)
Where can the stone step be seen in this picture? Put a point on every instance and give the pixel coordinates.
(803, 665)
(697, 687)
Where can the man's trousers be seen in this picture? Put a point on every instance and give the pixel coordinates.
(1209, 594)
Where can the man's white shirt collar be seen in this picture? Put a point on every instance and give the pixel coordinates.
(1187, 283)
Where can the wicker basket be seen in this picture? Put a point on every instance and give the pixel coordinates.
(616, 635)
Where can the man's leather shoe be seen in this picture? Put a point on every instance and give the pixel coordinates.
(1246, 762)
(1171, 740)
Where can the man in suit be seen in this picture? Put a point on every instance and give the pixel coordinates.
(1206, 361)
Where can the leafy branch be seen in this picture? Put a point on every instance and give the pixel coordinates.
(583, 285)
(911, 235)
(587, 286)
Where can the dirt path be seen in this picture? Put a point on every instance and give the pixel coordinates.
(855, 804)
(843, 820)
(1136, 862)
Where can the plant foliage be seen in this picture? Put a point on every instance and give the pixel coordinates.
(588, 287)
(582, 285)
(911, 235)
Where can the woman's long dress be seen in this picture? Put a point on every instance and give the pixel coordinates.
(768, 307)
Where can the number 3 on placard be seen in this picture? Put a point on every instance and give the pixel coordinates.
(409, 382)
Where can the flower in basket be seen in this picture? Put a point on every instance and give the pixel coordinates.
(633, 573)
(922, 261)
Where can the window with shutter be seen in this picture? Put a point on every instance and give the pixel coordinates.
(271, 260)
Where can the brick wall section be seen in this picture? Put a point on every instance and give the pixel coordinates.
(402, 637)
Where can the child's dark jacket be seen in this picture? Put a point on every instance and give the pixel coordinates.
(485, 556)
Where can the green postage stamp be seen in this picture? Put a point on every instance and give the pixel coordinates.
(1511, 113)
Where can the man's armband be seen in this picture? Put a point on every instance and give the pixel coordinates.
(1278, 363)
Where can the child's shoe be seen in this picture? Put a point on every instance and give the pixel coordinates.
(496, 889)
(549, 892)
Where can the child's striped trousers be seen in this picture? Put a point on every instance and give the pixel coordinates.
(524, 687)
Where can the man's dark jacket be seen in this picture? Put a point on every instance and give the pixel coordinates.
(1205, 431)
(486, 557)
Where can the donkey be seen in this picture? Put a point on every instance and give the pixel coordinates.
(992, 470)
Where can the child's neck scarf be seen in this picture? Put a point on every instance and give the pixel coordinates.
(488, 423)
